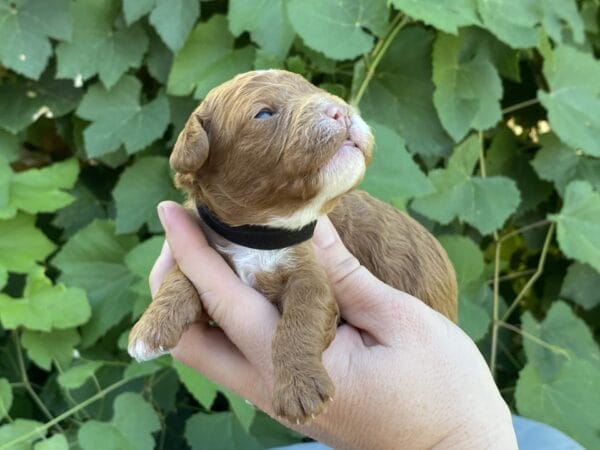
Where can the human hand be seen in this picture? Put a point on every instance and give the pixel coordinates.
(405, 376)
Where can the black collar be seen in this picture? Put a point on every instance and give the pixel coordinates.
(257, 236)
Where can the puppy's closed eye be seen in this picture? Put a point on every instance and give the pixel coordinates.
(264, 113)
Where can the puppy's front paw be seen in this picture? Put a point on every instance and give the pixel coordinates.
(151, 338)
(302, 396)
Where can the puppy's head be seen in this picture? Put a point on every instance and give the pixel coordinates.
(269, 148)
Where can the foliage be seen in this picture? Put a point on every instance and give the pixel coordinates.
(487, 118)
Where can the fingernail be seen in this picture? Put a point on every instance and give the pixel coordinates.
(325, 234)
(162, 214)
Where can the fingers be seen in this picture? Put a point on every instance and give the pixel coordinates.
(161, 267)
(209, 351)
(364, 300)
(247, 318)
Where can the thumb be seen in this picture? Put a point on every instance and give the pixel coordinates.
(363, 299)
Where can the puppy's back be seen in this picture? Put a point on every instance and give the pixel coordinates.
(397, 249)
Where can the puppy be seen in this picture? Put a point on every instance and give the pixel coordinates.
(263, 156)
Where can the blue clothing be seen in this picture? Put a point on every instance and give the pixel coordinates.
(531, 435)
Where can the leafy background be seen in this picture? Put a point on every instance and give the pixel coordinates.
(487, 119)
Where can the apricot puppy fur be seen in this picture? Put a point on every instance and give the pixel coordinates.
(268, 148)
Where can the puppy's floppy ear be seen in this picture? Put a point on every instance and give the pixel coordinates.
(191, 148)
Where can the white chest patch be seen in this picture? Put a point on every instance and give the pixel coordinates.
(248, 261)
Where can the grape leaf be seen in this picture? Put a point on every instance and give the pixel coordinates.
(393, 173)
(569, 401)
(561, 164)
(44, 306)
(43, 348)
(173, 20)
(207, 59)
(218, 431)
(3, 277)
(97, 47)
(578, 223)
(139, 189)
(119, 119)
(516, 21)
(335, 27)
(485, 203)
(574, 98)
(25, 102)
(582, 285)
(25, 27)
(85, 208)
(243, 410)
(76, 376)
(201, 388)
(9, 146)
(131, 427)
(93, 260)
(267, 22)
(448, 16)
(39, 190)
(568, 335)
(56, 442)
(135, 9)
(468, 87)
(400, 94)
(159, 59)
(16, 429)
(140, 261)
(466, 257)
(22, 244)
(6, 397)
(504, 157)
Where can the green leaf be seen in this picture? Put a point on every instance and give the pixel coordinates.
(135, 9)
(561, 164)
(119, 119)
(25, 27)
(516, 22)
(569, 401)
(140, 261)
(9, 146)
(578, 223)
(76, 376)
(568, 336)
(243, 410)
(140, 188)
(97, 47)
(504, 157)
(466, 257)
(485, 203)
(142, 369)
(56, 442)
(93, 260)
(25, 102)
(43, 348)
(131, 427)
(22, 244)
(582, 285)
(266, 21)
(468, 87)
(85, 208)
(574, 98)
(273, 434)
(39, 190)
(218, 431)
(393, 174)
(16, 429)
(335, 27)
(400, 94)
(207, 59)
(6, 397)
(159, 59)
(448, 16)
(44, 306)
(201, 388)
(173, 20)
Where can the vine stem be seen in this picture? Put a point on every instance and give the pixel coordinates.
(398, 22)
(540, 342)
(42, 429)
(27, 384)
(520, 105)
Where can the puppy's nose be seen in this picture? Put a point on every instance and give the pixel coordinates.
(339, 114)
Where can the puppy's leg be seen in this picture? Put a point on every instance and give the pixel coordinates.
(308, 322)
(175, 306)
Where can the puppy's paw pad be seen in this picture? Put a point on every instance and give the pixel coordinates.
(141, 351)
(304, 398)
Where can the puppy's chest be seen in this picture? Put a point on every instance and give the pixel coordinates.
(248, 262)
